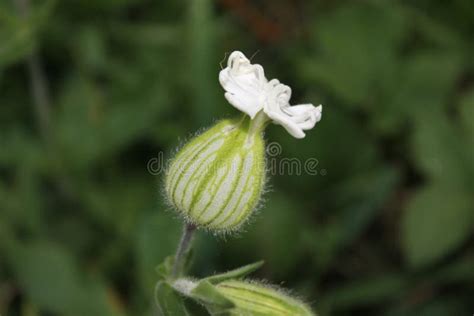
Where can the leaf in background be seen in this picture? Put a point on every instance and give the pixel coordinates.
(79, 122)
(18, 33)
(446, 305)
(467, 119)
(52, 280)
(467, 113)
(19, 149)
(358, 44)
(169, 301)
(121, 202)
(203, 62)
(439, 149)
(436, 30)
(456, 272)
(277, 235)
(22, 204)
(437, 220)
(428, 78)
(355, 204)
(366, 291)
(91, 124)
(90, 48)
(360, 198)
(156, 239)
(423, 82)
(16, 43)
(341, 145)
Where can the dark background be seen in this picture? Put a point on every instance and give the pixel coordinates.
(90, 91)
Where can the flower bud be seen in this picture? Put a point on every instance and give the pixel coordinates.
(216, 179)
(251, 298)
(236, 297)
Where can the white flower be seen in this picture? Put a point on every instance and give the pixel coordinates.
(248, 90)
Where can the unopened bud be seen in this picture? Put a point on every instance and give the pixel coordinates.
(216, 180)
(252, 298)
(237, 297)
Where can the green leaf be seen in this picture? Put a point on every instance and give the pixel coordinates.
(467, 119)
(437, 220)
(435, 31)
(145, 34)
(367, 291)
(203, 63)
(51, 279)
(90, 48)
(467, 114)
(18, 34)
(235, 274)
(456, 272)
(440, 305)
(284, 236)
(165, 268)
(439, 149)
(169, 301)
(360, 198)
(422, 82)
(93, 123)
(355, 53)
(22, 201)
(156, 226)
(17, 43)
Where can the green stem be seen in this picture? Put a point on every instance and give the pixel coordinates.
(183, 248)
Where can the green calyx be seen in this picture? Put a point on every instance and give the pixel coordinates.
(229, 294)
(252, 298)
(216, 179)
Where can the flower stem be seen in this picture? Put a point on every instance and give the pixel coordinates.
(183, 248)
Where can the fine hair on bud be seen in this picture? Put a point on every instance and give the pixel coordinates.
(256, 298)
(215, 181)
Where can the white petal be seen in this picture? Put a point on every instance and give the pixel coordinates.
(248, 90)
(295, 119)
(290, 126)
(244, 84)
(306, 115)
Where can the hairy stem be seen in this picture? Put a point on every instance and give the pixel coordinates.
(183, 247)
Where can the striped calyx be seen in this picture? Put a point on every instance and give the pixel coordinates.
(251, 298)
(216, 180)
(236, 297)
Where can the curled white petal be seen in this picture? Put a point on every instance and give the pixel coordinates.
(295, 119)
(244, 84)
(248, 90)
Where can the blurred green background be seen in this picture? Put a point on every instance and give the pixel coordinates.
(90, 91)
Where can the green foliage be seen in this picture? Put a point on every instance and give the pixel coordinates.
(226, 294)
(234, 274)
(168, 300)
(54, 283)
(437, 221)
(384, 228)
